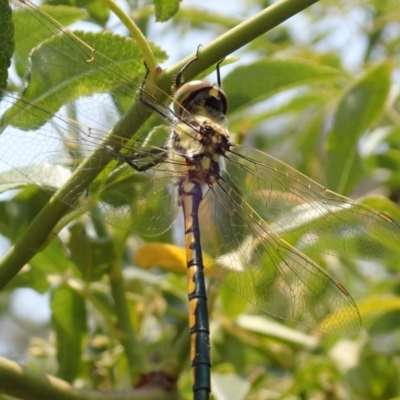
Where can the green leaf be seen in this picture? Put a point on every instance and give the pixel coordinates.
(165, 9)
(251, 83)
(360, 107)
(230, 386)
(77, 71)
(371, 305)
(6, 42)
(382, 204)
(40, 23)
(92, 256)
(98, 11)
(21, 210)
(53, 260)
(388, 322)
(202, 18)
(372, 246)
(267, 327)
(69, 322)
(232, 303)
(47, 176)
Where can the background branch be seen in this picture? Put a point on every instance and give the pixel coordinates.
(19, 381)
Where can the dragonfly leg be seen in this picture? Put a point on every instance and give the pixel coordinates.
(153, 104)
(219, 83)
(157, 155)
(178, 78)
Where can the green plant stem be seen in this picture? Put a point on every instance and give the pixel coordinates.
(126, 333)
(179, 355)
(135, 32)
(238, 37)
(38, 232)
(132, 348)
(21, 382)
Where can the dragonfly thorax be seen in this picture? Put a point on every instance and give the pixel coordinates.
(198, 147)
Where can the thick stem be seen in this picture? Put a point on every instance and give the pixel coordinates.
(136, 34)
(21, 382)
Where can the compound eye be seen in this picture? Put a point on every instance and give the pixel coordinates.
(193, 93)
(185, 92)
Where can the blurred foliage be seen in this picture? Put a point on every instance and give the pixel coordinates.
(320, 92)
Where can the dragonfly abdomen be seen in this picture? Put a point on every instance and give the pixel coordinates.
(190, 196)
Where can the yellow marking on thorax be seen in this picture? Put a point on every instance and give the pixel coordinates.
(205, 163)
(216, 157)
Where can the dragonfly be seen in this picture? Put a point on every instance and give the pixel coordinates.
(237, 201)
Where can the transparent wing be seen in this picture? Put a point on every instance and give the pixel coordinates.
(259, 198)
(60, 67)
(73, 96)
(266, 270)
(292, 203)
(145, 202)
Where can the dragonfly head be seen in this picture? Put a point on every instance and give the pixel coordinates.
(196, 95)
